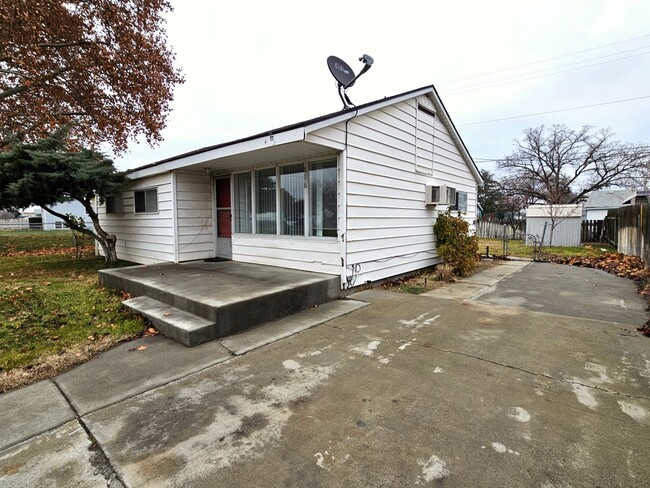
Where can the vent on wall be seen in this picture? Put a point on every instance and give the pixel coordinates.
(439, 195)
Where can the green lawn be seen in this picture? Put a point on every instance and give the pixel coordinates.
(31, 240)
(517, 248)
(51, 303)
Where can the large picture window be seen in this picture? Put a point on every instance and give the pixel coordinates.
(323, 191)
(290, 200)
(146, 200)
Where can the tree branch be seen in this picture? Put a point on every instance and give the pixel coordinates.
(21, 88)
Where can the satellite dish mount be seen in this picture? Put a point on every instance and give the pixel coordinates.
(345, 77)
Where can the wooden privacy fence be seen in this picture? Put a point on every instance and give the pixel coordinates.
(634, 231)
(592, 231)
(496, 229)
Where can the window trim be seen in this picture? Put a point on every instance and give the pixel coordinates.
(145, 211)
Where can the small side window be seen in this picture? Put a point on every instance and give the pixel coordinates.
(114, 204)
(461, 202)
(146, 201)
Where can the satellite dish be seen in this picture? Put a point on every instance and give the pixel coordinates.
(344, 75)
(341, 71)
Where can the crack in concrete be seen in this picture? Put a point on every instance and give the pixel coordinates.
(98, 458)
(543, 375)
(496, 363)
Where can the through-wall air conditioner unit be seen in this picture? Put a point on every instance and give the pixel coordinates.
(439, 195)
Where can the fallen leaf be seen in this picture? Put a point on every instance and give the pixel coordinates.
(91, 337)
(167, 314)
(141, 348)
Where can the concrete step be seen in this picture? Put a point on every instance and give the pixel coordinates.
(182, 326)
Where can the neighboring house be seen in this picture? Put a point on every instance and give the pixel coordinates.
(342, 194)
(51, 222)
(563, 223)
(599, 202)
(639, 197)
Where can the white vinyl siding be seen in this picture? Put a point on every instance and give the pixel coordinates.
(194, 218)
(389, 228)
(295, 252)
(143, 238)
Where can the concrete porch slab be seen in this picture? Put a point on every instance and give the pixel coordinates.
(235, 296)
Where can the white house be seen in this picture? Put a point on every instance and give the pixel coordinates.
(343, 194)
(51, 222)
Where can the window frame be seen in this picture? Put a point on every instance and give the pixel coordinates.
(145, 211)
(110, 211)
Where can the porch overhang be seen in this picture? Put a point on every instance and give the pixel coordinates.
(270, 148)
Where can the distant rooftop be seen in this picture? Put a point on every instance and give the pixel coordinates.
(605, 199)
(563, 211)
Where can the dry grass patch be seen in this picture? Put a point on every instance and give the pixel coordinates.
(432, 278)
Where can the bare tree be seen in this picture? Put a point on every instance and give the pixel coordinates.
(559, 165)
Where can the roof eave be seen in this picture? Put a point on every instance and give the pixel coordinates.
(245, 145)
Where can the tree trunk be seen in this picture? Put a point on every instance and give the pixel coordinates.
(106, 241)
(550, 239)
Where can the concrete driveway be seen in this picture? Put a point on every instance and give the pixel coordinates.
(523, 375)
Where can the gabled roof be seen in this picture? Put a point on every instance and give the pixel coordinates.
(297, 132)
(604, 199)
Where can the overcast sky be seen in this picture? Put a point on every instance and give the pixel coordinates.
(253, 66)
